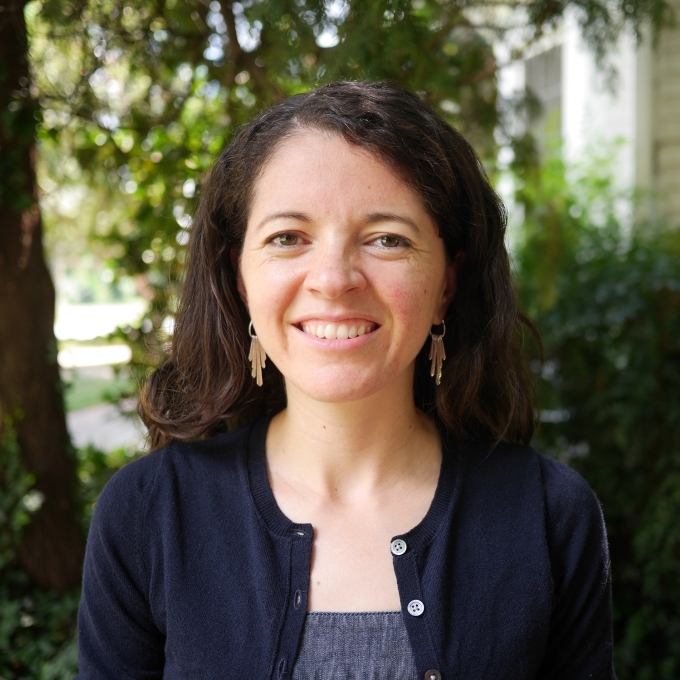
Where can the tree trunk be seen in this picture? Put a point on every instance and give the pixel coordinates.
(30, 386)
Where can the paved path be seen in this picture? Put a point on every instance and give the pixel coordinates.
(105, 427)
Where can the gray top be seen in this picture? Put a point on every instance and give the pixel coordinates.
(355, 646)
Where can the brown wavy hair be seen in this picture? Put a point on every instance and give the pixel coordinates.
(205, 387)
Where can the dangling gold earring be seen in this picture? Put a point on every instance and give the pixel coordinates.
(256, 356)
(437, 354)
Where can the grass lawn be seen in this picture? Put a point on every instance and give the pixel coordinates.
(83, 391)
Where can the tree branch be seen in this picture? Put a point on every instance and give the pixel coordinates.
(243, 59)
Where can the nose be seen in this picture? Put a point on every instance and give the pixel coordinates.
(334, 271)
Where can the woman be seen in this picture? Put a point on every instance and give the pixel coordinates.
(378, 513)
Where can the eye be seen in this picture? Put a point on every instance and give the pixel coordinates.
(390, 241)
(285, 240)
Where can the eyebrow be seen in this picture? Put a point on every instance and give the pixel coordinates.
(371, 218)
(284, 215)
(376, 218)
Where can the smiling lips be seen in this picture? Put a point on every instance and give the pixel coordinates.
(338, 331)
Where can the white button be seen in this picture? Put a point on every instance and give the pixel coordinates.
(433, 674)
(415, 607)
(398, 547)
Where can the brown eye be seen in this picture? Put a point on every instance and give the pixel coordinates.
(390, 241)
(285, 240)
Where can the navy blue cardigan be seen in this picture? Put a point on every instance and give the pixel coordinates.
(192, 571)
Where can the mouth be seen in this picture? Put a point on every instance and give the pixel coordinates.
(346, 330)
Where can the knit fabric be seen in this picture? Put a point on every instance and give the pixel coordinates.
(354, 646)
(193, 572)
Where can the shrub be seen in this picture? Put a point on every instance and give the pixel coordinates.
(37, 628)
(606, 298)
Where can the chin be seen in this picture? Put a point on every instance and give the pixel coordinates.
(339, 389)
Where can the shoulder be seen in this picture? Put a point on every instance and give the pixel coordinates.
(567, 494)
(573, 519)
(517, 479)
(576, 533)
(519, 467)
(176, 466)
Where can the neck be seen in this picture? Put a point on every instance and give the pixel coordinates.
(353, 448)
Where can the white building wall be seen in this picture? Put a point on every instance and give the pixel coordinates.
(640, 111)
(597, 113)
(665, 157)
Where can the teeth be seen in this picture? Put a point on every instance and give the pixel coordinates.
(333, 331)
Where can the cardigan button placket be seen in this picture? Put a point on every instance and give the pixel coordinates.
(412, 598)
(297, 599)
(293, 623)
(398, 546)
(432, 674)
(415, 608)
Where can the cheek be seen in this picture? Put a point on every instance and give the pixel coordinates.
(269, 288)
(267, 312)
(412, 299)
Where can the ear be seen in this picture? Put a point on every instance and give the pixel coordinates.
(235, 255)
(450, 285)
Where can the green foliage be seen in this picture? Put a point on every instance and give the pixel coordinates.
(38, 628)
(606, 298)
(37, 631)
(138, 98)
(14, 484)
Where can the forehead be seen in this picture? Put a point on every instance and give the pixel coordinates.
(324, 171)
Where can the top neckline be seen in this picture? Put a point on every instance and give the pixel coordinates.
(377, 613)
(278, 523)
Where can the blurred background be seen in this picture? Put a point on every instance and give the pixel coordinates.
(111, 111)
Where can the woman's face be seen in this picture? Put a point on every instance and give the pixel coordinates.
(342, 270)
